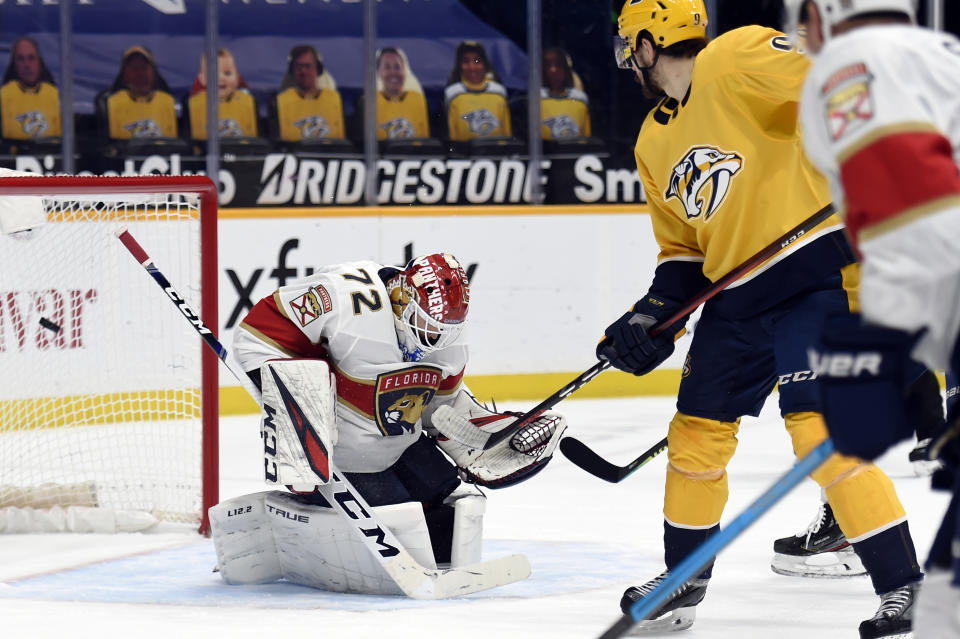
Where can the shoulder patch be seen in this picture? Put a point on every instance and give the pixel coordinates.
(325, 301)
(847, 100)
(306, 308)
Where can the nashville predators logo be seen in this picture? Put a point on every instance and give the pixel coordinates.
(230, 128)
(562, 126)
(312, 126)
(482, 122)
(33, 123)
(144, 129)
(701, 180)
(398, 128)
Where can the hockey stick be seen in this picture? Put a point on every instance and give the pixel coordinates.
(414, 579)
(705, 552)
(581, 455)
(706, 293)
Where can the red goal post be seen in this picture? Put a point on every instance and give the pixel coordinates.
(108, 399)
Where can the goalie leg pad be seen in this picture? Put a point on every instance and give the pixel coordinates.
(467, 546)
(318, 548)
(298, 422)
(272, 535)
(246, 552)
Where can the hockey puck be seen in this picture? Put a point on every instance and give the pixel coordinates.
(50, 326)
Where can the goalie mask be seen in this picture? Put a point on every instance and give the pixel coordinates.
(429, 300)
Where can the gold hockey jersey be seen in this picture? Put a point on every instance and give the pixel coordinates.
(724, 169)
(477, 112)
(150, 117)
(30, 112)
(237, 115)
(305, 118)
(565, 116)
(404, 117)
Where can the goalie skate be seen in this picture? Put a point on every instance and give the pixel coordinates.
(678, 612)
(820, 551)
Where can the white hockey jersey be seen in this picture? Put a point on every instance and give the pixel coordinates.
(881, 118)
(342, 314)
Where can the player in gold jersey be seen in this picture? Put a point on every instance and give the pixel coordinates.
(308, 106)
(139, 103)
(237, 108)
(725, 175)
(29, 100)
(401, 105)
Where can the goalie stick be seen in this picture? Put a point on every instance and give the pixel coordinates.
(581, 455)
(706, 293)
(414, 579)
(697, 560)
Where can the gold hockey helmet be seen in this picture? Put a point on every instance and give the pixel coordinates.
(667, 22)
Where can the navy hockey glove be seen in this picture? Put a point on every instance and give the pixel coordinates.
(864, 372)
(627, 343)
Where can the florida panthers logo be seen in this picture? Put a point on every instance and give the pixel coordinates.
(312, 126)
(398, 128)
(562, 126)
(407, 410)
(143, 129)
(701, 180)
(33, 123)
(482, 122)
(230, 128)
(401, 397)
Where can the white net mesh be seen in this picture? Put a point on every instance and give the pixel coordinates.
(100, 377)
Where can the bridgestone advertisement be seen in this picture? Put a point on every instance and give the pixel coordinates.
(289, 180)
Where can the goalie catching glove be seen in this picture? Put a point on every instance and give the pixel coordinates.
(467, 425)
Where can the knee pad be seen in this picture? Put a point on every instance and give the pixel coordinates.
(696, 487)
(862, 496)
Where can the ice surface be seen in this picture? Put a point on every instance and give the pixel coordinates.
(587, 540)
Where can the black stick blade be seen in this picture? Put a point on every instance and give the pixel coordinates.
(581, 455)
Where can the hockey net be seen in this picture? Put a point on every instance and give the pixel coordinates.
(108, 399)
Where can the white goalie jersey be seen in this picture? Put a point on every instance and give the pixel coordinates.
(342, 314)
(880, 118)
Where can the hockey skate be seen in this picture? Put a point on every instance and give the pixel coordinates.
(920, 459)
(819, 551)
(677, 612)
(894, 617)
